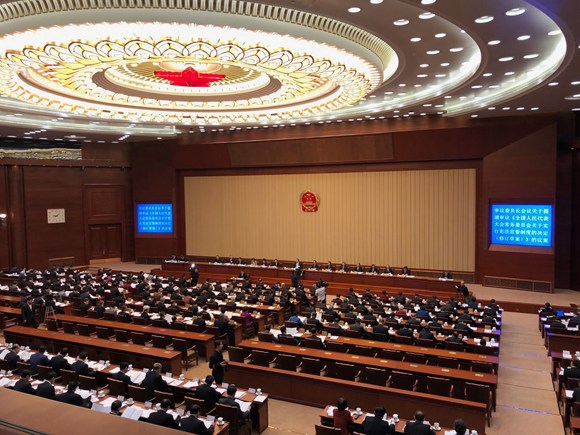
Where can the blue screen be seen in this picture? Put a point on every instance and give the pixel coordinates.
(521, 224)
(155, 218)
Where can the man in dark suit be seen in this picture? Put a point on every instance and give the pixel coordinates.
(59, 361)
(426, 334)
(12, 357)
(121, 375)
(23, 384)
(217, 363)
(380, 328)
(454, 338)
(230, 400)
(154, 381)
(46, 389)
(376, 425)
(418, 427)
(80, 366)
(571, 372)
(193, 424)
(69, 396)
(28, 314)
(373, 269)
(406, 271)
(404, 332)
(162, 417)
(208, 394)
(39, 358)
(462, 289)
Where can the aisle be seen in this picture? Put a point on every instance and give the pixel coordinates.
(526, 399)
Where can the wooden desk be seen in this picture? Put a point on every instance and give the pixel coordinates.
(10, 312)
(463, 356)
(358, 360)
(315, 390)
(560, 342)
(333, 278)
(359, 419)
(575, 425)
(49, 416)
(205, 342)
(97, 348)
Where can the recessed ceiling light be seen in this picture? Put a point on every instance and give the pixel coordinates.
(354, 10)
(523, 37)
(505, 108)
(477, 87)
(493, 86)
(401, 22)
(474, 116)
(491, 108)
(415, 39)
(554, 32)
(456, 49)
(402, 85)
(575, 83)
(553, 84)
(488, 74)
(427, 105)
(520, 108)
(440, 35)
(447, 97)
(432, 52)
(531, 56)
(424, 65)
(445, 64)
(494, 42)
(426, 15)
(515, 11)
(506, 58)
(428, 2)
(509, 73)
(417, 85)
(421, 76)
(440, 75)
(534, 108)
(484, 19)
(376, 2)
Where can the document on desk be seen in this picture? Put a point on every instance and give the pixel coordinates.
(190, 384)
(83, 393)
(260, 399)
(220, 390)
(240, 394)
(136, 376)
(244, 406)
(133, 412)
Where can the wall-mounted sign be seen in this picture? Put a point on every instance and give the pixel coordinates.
(309, 201)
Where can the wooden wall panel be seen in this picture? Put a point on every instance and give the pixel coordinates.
(4, 209)
(425, 219)
(45, 188)
(524, 171)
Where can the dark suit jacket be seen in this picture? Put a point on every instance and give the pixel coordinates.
(192, 425)
(208, 394)
(46, 389)
(59, 362)
(570, 372)
(162, 418)
(153, 381)
(24, 386)
(120, 376)
(377, 426)
(37, 359)
(28, 316)
(70, 398)
(82, 368)
(12, 359)
(417, 428)
(231, 402)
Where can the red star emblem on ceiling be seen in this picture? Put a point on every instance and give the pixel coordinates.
(190, 77)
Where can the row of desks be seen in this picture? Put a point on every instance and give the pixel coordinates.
(97, 348)
(205, 342)
(339, 278)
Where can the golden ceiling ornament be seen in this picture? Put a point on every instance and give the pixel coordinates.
(99, 73)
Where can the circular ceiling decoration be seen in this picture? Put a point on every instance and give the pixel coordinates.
(241, 71)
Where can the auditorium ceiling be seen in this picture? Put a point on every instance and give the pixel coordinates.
(113, 71)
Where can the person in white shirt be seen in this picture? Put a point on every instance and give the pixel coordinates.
(320, 294)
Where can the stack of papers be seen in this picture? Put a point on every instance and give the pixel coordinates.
(260, 399)
(244, 406)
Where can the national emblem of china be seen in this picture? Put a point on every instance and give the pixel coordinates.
(309, 201)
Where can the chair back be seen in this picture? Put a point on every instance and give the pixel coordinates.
(336, 347)
(230, 414)
(237, 354)
(190, 401)
(287, 362)
(457, 347)
(313, 343)
(286, 339)
(160, 395)
(265, 336)
(23, 366)
(482, 367)
(477, 392)
(138, 394)
(140, 321)
(68, 376)
(138, 338)
(327, 430)
(68, 327)
(93, 314)
(439, 386)
(262, 358)
(376, 376)
(88, 382)
(121, 335)
(312, 366)
(348, 372)
(402, 380)
(84, 330)
(402, 339)
(43, 371)
(103, 332)
(415, 358)
(52, 324)
(117, 388)
(379, 337)
(393, 355)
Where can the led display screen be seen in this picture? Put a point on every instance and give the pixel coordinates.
(154, 218)
(521, 224)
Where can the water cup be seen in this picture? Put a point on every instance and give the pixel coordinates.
(101, 393)
(396, 417)
(181, 377)
(436, 426)
(130, 401)
(220, 421)
(259, 391)
(358, 411)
